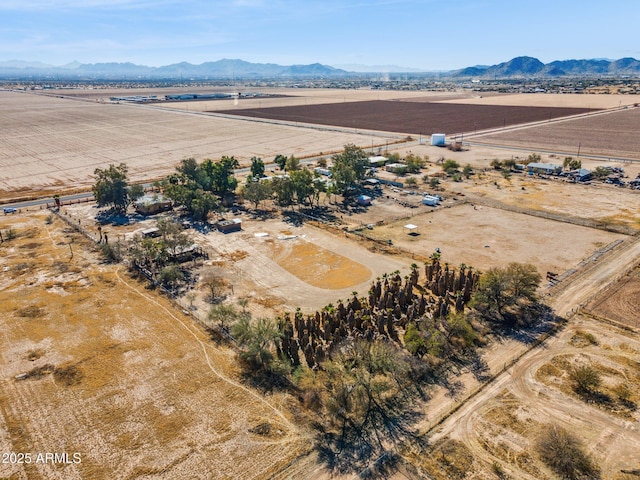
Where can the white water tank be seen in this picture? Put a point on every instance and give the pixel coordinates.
(438, 139)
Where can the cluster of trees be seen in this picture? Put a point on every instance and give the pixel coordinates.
(160, 256)
(414, 163)
(199, 187)
(506, 295)
(301, 186)
(451, 168)
(362, 363)
(112, 188)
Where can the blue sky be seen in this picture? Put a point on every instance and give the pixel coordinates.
(432, 35)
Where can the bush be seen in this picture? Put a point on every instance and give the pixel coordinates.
(564, 454)
(111, 253)
(585, 378)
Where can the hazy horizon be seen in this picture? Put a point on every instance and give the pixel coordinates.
(424, 35)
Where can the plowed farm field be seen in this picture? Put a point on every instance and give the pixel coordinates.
(609, 134)
(56, 143)
(412, 117)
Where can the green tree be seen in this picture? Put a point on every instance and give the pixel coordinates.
(192, 187)
(501, 291)
(349, 167)
(257, 168)
(258, 339)
(170, 276)
(303, 185)
(600, 172)
(434, 182)
(111, 187)
(413, 341)
(256, 192)
(450, 166)
(571, 163)
(283, 190)
(172, 235)
(411, 182)
(224, 314)
(281, 161)
(222, 179)
(415, 163)
(467, 171)
(292, 164)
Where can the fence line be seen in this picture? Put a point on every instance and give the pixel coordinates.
(74, 225)
(583, 222)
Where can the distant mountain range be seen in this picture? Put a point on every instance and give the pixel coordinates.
(224, 68)
(532, 67)
(519, 67)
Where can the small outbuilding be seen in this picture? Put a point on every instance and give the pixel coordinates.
(545, 168)
(438, 139)
(430, 200)
(364, 200)
(228, 226)
(398, 168)
(151, 232)
(152, 204)
(412, 229)
(377, 161)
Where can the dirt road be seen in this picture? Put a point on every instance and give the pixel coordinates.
(616, 440)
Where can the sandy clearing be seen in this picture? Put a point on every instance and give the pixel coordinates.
(486, 237)
(262, 265)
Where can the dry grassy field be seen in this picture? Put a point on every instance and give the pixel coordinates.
(93, 363)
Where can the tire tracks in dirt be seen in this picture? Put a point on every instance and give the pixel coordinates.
(293, 429)
(520, 378)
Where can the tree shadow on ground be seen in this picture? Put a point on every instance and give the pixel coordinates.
(529, 325)
(368, 452)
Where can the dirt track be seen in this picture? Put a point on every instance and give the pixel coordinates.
(618, 441)
(146, 393)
